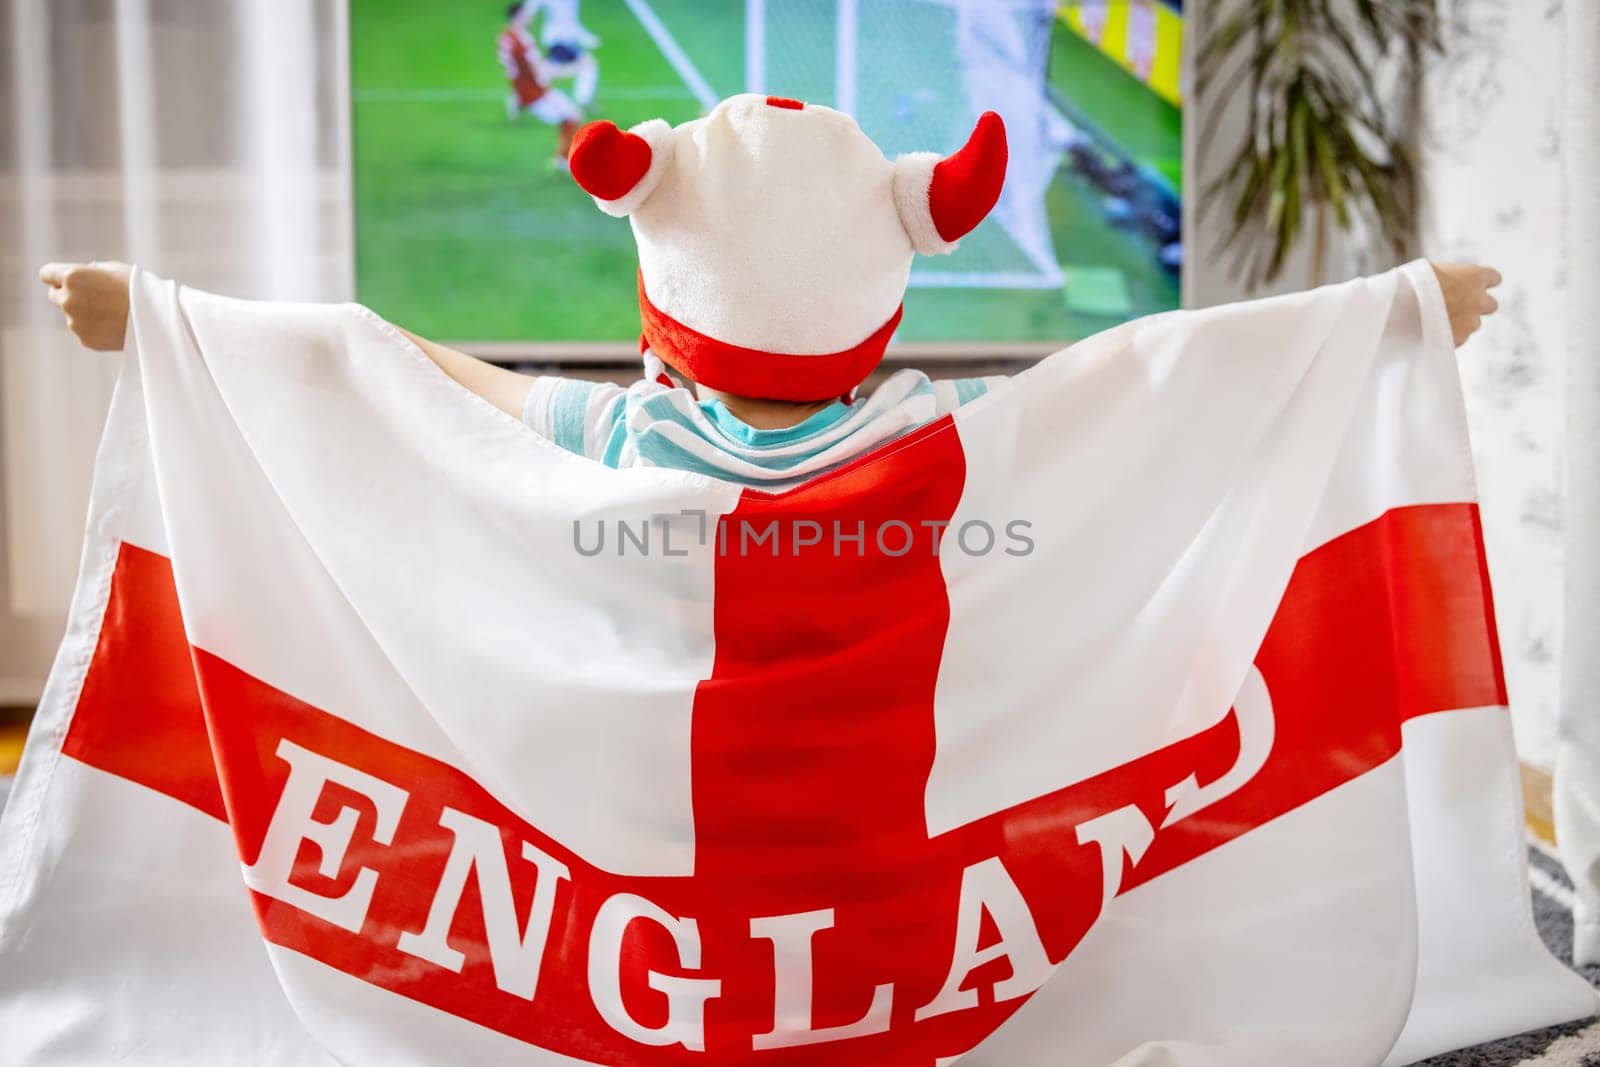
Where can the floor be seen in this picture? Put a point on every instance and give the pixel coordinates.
(13, 732)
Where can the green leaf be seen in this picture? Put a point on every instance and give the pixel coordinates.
(1328, 168)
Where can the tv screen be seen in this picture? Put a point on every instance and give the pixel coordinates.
(468, 229)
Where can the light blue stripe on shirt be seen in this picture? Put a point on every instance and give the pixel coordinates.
(569, 411)
(970, 389)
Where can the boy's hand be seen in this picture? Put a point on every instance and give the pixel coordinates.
(1466, 296)
(94, 298)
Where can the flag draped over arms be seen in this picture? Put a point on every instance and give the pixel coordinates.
(1146, 710)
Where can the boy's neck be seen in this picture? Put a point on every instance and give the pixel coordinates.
(764, 414)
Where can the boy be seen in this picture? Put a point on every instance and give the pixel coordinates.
(772, 357)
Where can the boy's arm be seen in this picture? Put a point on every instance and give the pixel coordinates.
(505, 389)
(94, 299)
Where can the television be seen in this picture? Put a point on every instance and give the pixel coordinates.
(468, 230)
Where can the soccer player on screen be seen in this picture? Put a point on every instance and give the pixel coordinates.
(569, 48)
(528, 73)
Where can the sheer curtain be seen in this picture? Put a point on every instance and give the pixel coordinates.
(207, 141)
(1577, 773)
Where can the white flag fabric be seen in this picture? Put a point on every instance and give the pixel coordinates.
(1146, 711)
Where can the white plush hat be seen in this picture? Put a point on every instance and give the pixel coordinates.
(775, 240)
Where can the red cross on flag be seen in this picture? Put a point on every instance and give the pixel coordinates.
(1146, 710)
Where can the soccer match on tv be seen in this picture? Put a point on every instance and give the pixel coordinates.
(462, 115)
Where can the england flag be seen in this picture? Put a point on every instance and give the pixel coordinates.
(1147, 710)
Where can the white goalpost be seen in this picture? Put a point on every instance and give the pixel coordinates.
(916, 74)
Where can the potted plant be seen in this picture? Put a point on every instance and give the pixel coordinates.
(1327, 138)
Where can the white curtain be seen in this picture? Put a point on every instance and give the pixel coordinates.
(1577, 774)
(205, 140)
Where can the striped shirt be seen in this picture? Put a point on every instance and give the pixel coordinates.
(648, 424)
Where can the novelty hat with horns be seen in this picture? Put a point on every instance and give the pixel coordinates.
(775, 240)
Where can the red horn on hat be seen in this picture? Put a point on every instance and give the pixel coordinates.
(608, 162)
(965, 185)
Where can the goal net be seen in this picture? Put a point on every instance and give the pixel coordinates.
(916, 74)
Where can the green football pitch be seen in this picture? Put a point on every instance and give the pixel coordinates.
(465, 232)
